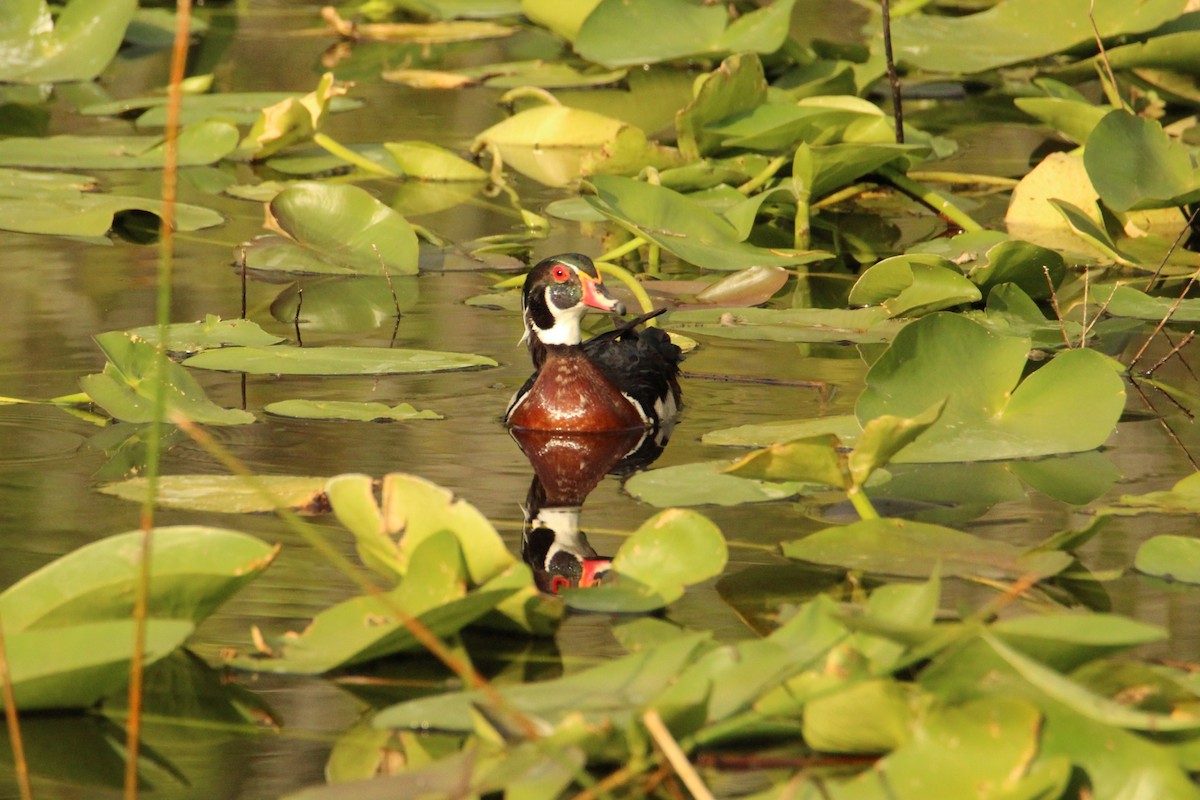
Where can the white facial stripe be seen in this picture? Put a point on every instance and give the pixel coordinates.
(566, 324)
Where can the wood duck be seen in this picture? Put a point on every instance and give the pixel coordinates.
(627, 378)
(555, 547)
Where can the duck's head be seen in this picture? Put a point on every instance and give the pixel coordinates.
(557, 293)
(558, 552)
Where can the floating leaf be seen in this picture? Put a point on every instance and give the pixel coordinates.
(346, 303)
(76, 45)
(194, 570)
(335, 228)
(191, 337)
(764, 434)
(790, 324)
(239, 108)
(1075, 119)
(672, 550)
(1082, 225)
(912, 285)
(282, 360)
(1174, 558)
(76, 666)
(1126, 301)
(706, 483)
(1133, 164)
(916, 549)
(1065, 641)
(991, 259)
(228, 494)
(202, 143)
(348, 410)
(1032, 215)
(128, 386)
(747, 287)
(682, 226)
(987, 415)
(428, 162)
(291, 120)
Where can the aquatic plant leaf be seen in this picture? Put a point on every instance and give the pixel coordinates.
(1085, 227)
(790, 324)
(291, 120)
(127, 387)
(685, 228)
(815, 459)
(706, 483)
(617, 33)
(228, 494)
(194, 570)
(1126, 301)
(341, 226)
(1015, 31)
(913, 285)
(1134, 164)
(283, 360)
(1075, 119)
(883, 437)
(670, 551)
(76, 45)
(564, 19)
(991, 259)
(202, 143)
(347, 410)
(988, 415)
(916, 549)
(1032, 215)
(429, 162)
(736, 87)
(833, 721)
(764, 434)
(192, 337)
(612, 692)
(1064, 641)
(508, 75)
(1174, 558)
(239, 108)
(76, 666)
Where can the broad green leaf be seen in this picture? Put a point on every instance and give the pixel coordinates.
(1133, 164)
(991, 259)
(618, 33)
(76, 666)
(1075, 119)
(672, 550)
(193, 571)
(127, 387)
(1065, 641)
(883, 437)
(706, 483)
(834, 722)
(737, 86)
(916, 549)
(291, 120)
(1174, 558)
(202, 143)
(342, 226)
(1032, 214)
(815, 459)
(429, 162)
(347, 410)
(68, 212)
(1126, 301)
(913, 285)
(1082, 225)
(228, 494)
(75, 46)
(987, 414)
(282, 360)
(352, 498)
(682, 226)
(239, 108)
(790, 324)
(1013, 31)
(563, 19)
(191, 337)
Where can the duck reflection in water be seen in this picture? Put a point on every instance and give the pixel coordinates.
(591, 407)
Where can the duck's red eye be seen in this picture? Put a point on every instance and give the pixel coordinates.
(560, 273)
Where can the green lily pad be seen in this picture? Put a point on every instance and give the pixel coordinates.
(1134, 164)
(912, 285)
(685, 228)
(916, 549)
(991, 259)
(194, 570)
(706, 483)
(76, 666)
(192, 337)
(76, 45)
(228, 494)
(1081, 223)
(987, 414)
(428, 162)
(1126, 301)
(1175, 558)
(1075, 119)
(344, 304)
(1065, 641)
(765, 434)
(736, 87)
(347, 410)
(672, 550)
(282, 360)
(335, 228)
(859, 325)
(239, 108)
(202, 143)
(618, 33)
(291, 120)
(127, 387)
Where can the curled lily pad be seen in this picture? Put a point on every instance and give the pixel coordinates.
(912, 285)
(281, 360)
(228, 494)
(202, 143)
(291, 120)
(344, 409)
(987, 414)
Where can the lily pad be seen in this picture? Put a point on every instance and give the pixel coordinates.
(706, 483)
(1126, 301)
(428, 162)
(239, 108)
(790, 324)
(765, 434)
(76, 45)
(193, 571)
(348, 410)
(916, 549)
(282, 360)
(1174, 558)
(682, 226)
(912, 285)
(987, 414)
(202, 143)
(192, 337)
(334, 228)
(346, 303)
(228, 494)
(1133, 164)
(672, 550)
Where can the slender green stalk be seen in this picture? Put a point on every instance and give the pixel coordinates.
(346, 154)
(14, 725)
(802, 227)
(862, 504)
(623, 250)
(655, 259)
(930, 198)
(768, 172)
(631, 283)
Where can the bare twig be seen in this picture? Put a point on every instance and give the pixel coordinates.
(1162, 323)
(893, 78)
(1087, 330)
(1179, 240)
(1112, 79)
(675, 755)
(296, 317)
(242, 264)
(14, 726)
(1186, 339)
(1174, 437)
(1062, 326)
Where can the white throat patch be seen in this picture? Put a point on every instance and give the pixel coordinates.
(566, 324)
